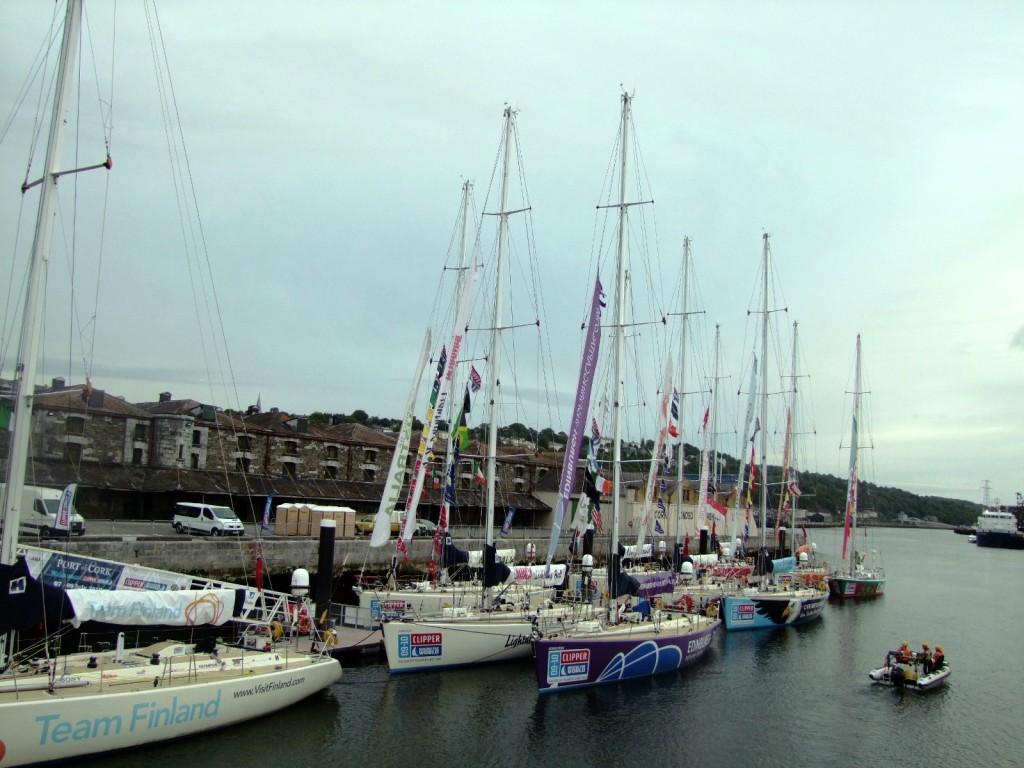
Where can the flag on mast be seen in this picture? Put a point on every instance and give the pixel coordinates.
(64, 508)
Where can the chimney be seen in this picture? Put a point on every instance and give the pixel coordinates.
(165, 397)
(58, 383)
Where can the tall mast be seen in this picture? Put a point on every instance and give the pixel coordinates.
(682, 394)
(764, 396)
(791, 437)
(713, 424)
(620, 352)
(748, 417)
(467, 194)
(852, 492)
(28, 347)
(495, 352)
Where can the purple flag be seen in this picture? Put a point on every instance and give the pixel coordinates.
(591, 347)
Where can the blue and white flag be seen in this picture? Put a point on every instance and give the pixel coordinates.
(506, 527)
(265, 523)
(64, 508)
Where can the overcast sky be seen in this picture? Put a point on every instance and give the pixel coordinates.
(880, 146)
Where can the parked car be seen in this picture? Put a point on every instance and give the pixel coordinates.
(364, 525)
(39, 508)
(206, 518)
(425, 527)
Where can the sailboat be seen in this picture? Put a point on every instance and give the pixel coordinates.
(777, 599)
(629, 645)
(705, 577)
(56, 706)
(392, 600)
(856, 578)
(490, 628)
(809, 570)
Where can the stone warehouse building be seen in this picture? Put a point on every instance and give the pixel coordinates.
(136, 460)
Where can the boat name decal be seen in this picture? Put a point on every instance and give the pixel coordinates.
(698, 643)
(517, 640)
(147, 715)
(568, 665)
(416, 645)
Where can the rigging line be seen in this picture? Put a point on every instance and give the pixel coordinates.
(96, 80)
(72, 253)
(87, 341)
(38, 65)
(651, 260)
(13, 302)
(201, 247)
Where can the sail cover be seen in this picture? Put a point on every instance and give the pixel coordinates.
(185, 608)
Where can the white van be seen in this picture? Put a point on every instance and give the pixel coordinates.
(190, 517)
(39, 512)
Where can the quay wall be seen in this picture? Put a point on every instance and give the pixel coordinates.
(234, 559)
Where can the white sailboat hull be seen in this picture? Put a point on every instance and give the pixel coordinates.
(417, 646)
(91, 716)
(466, 639)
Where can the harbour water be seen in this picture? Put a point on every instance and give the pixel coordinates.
(790, 697)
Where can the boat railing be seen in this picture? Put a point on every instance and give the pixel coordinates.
(354, 616)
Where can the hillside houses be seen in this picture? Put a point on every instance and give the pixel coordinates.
(136, 460)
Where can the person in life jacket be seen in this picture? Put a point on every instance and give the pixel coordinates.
(903, 654)
(938, 659)
(925, 657)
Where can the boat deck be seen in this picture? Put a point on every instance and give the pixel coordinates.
(86, 674)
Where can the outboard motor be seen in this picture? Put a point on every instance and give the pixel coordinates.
(897, 676)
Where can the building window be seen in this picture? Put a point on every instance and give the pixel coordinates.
(181, 452)
(244, 443)
(74, 425)
(332, 452)
(331, 472)
(137, 456)
(289, 469)
(74, 451)
(370, 455)
(140, 432)
(291, 448)
(195, 461)
(520, 470)
(369, 475)
(197, 437)
(241, 464)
